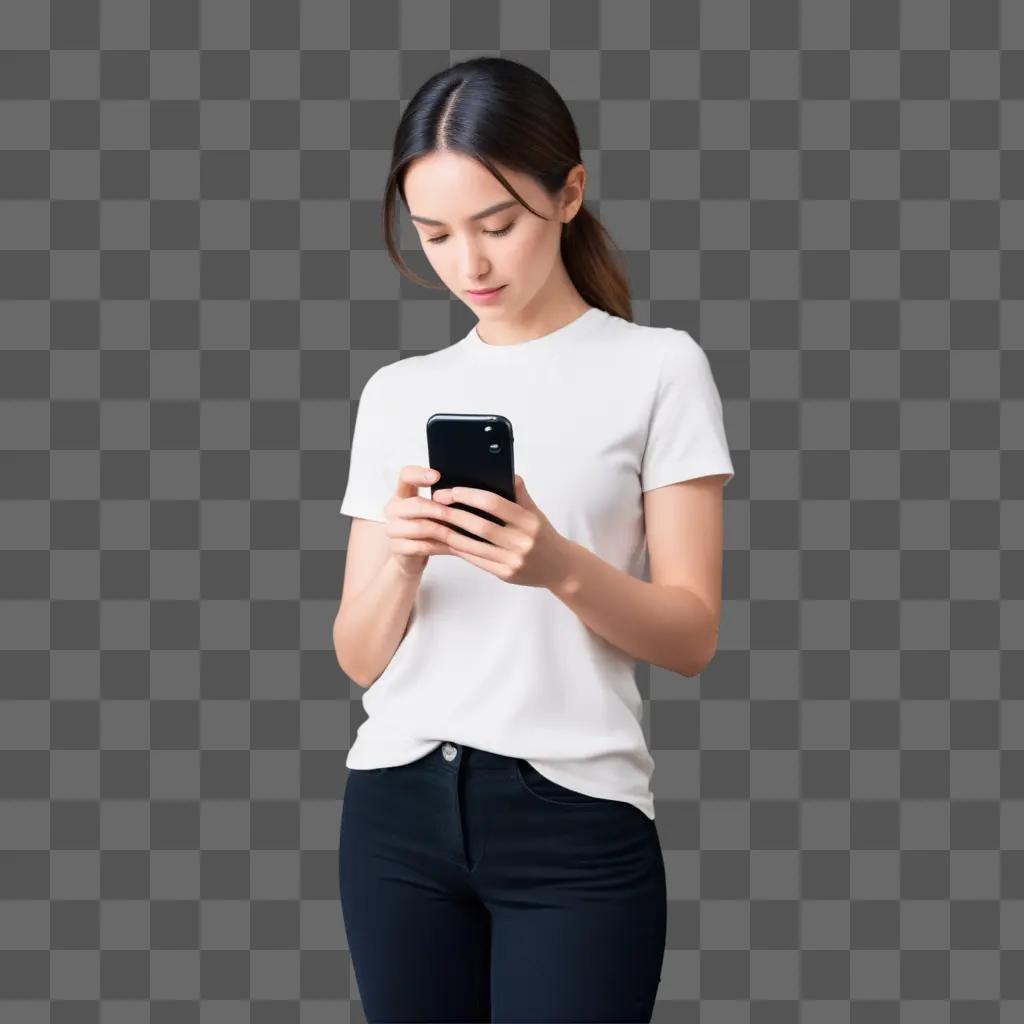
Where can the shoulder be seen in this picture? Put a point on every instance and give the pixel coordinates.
(394, 376)
(657, 339)
(679, 347)
(668, 349)
(413, 368)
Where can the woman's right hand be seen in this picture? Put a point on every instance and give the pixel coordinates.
(413, 532)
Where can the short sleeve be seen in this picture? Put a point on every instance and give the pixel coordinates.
(370, 485)
(686, 436)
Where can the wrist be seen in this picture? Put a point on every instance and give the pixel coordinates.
(402, 573)
(567, 582)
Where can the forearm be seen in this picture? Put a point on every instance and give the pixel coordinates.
(375, 620)
(665, 625)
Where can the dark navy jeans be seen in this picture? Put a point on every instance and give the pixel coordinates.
(475, 889)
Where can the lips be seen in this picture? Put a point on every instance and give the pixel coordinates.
(486, 291)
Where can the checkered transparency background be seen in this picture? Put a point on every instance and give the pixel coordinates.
(828, 195)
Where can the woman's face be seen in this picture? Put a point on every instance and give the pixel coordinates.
(511, 246)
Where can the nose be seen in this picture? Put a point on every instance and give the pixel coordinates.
(475, 265)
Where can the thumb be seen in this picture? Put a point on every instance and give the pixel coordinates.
(522, 494)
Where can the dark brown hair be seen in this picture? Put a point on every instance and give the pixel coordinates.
(499, 111)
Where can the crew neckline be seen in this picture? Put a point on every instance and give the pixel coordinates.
(573, 329)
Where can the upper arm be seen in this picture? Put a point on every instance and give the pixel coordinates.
(684, 529)
(368, 550)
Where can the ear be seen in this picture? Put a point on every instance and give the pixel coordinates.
(575, 183)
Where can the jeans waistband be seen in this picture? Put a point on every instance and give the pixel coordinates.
(450, 755)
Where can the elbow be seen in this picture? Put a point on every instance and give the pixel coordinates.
(699, 667)
(695, 664)
(354, 675)
(357, 677)
(694, 668)
(703, 640)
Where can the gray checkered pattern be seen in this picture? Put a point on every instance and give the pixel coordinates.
(829, 195)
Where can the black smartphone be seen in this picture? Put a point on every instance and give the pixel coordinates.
(470, 450)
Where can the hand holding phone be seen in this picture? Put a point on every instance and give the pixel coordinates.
(413, 532)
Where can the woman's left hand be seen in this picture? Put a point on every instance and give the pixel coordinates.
(527, 550)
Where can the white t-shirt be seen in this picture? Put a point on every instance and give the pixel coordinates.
(602, 410)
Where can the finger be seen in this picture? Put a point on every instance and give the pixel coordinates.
(509, 511)
(496, 535)
(469, 545)
(418, 507)
(411, 546)
(412, 478)
(425, 517)
(498, 569)
(416, 525)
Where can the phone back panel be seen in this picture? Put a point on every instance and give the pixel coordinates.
(459, 447)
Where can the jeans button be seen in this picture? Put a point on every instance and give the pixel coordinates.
(448, 751)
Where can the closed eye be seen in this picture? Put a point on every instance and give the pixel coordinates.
(494, 234)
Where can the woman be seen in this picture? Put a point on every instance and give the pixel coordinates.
(498, 855)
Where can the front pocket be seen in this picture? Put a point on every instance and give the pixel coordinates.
(542, 788)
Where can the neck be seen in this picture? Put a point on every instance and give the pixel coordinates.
(546, 312)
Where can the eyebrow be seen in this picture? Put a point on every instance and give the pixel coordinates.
(476, 216)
